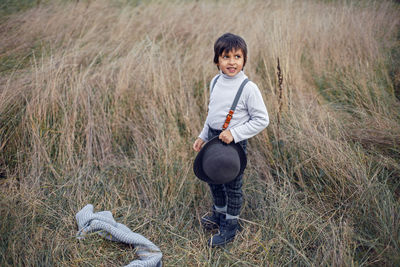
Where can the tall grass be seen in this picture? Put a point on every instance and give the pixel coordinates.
(100, 102)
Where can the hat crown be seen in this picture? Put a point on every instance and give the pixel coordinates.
(221, 162)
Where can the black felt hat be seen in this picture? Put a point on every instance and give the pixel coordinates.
(219, 163)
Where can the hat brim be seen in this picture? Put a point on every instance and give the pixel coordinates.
(198, 166)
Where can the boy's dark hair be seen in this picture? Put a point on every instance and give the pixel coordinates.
(228, 42)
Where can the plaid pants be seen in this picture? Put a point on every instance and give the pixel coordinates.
(231, 193)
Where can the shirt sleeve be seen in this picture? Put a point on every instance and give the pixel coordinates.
(258, 120)
(204, 133)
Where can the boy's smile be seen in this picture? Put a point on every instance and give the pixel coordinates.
(231, 63)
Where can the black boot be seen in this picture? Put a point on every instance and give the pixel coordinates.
(212, 221)
(227, 232)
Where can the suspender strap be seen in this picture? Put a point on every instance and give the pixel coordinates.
(215, 81)
(234, 104)
(235, 101)
(238, 94)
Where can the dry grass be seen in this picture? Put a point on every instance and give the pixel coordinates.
(100, 102)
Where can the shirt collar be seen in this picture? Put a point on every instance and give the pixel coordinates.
(238, 76)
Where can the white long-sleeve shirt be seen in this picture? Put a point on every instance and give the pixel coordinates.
(251, 115)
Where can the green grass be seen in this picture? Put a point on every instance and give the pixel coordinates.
(8, 7)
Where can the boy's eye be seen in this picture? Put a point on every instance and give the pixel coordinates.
(237, 56)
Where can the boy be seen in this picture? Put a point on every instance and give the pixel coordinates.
(250, 117)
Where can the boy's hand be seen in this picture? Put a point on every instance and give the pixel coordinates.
(226, 136)
(198, 144)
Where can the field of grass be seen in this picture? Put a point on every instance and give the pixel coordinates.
(100, 102)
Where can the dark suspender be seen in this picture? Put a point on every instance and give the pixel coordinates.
(215, 81)
(235, 101)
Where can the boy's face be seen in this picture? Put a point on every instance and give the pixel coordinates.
(231, 63)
